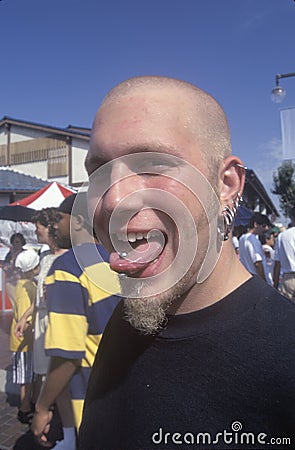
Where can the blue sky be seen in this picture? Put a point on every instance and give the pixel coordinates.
(60, 57)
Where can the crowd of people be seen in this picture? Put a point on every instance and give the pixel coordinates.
(186, 355)
(59, 314)
(269, 251)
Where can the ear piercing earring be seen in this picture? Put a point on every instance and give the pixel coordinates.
(228, 214)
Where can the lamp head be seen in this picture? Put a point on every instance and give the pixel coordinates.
(278, 94)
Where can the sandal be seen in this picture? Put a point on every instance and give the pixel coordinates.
(25, 416)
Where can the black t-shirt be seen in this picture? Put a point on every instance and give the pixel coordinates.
(222, 377)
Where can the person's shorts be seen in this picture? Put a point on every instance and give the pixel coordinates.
(22, 367)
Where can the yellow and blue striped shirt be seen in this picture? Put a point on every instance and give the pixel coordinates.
(81, 294)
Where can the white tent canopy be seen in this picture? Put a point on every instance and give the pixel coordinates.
(49, 196)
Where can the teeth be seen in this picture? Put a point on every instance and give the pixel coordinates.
(132, 237)
(121, 237)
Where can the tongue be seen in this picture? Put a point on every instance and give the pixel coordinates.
(136, 260)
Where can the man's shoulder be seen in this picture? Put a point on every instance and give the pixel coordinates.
(252, 237)
(243, 237)
(65, 263)
(247, 237)
(78, 257)
(287, 234)
(273, 307)
(63, 258)
(95, 253)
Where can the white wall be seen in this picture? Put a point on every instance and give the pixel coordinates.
(62, 180)
(36, 169)
(79, 152)
(39, 169)
(3, 136)
(18, 134)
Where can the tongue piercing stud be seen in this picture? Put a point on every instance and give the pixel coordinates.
(123, 254)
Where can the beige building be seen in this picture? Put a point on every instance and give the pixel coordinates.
(46, 152)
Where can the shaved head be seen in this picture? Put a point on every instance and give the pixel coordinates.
(199, 112)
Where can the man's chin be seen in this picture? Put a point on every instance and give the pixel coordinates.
(64, 243)
(147, 314)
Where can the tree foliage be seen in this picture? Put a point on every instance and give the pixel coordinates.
(284, 186)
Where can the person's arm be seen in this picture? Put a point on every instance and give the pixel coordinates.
(276, 274)
(59, 373)
(23, 322)
(7, 261)
(256, 254)
(259, 269)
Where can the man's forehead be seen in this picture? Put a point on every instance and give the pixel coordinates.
(148, 118)
(141, 100)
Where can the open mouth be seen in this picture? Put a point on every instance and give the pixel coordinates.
(135, 251)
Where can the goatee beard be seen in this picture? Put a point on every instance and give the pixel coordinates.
(147, 315)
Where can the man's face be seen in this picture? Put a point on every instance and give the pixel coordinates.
(261, 228)
(142, 125)
(62, 230)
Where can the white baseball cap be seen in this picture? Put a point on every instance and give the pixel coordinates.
(27, 260)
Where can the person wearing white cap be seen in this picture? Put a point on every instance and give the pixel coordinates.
(27, 262)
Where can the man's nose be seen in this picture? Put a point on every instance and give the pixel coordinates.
(124, 193)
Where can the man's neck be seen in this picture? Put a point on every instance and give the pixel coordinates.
(227, 276)
(253, 231)
(81, 237)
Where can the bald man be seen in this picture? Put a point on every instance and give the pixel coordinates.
(198, 347)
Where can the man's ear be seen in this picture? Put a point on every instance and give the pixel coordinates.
(232, 180)
(77, 222)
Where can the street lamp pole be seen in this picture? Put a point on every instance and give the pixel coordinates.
(278, 93)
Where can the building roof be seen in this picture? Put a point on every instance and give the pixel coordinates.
(11, 180)
(82, 133)
(253, 182)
